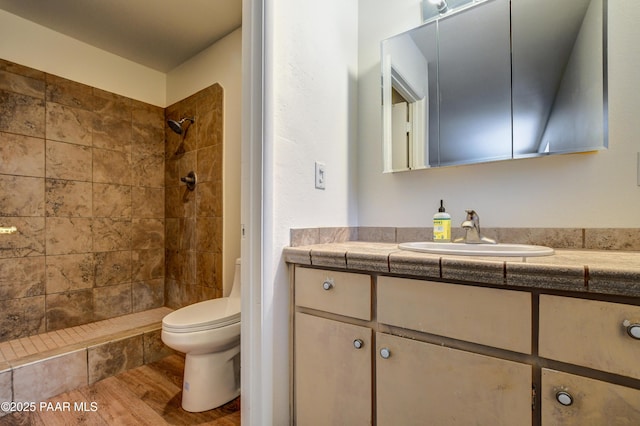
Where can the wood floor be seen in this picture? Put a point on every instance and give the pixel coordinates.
(147, 395)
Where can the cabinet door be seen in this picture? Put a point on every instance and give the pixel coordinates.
(332, 375)
(591, 402)
(421, 383)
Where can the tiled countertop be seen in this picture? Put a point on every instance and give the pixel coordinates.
(586, 271)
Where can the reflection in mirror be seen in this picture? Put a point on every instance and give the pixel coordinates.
(495, 79)
(474, 85)
(558, 65)
(409, 91)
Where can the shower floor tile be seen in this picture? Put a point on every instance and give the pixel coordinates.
(52, 341)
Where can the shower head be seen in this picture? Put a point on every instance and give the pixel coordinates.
(176, 126)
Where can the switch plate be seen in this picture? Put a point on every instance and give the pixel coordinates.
(321, 175)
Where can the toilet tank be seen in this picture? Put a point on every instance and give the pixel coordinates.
(235, 289)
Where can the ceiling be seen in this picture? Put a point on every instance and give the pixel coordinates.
(159, 34)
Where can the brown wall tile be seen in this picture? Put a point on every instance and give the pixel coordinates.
(21, 114)
(70, 93)
(147, 294)
(148, 202)
(21, 155)
(111, 166)
(22, 277)
(111, 200)
(68, 235)
(112, 267)
(23, 84)
(68, 124)
(28, 241)
(68, 161)
(69, 272)
(68, 198)
(21, 196)
(147, 264)
(147, 233)
(111, 234)
(69, 308)
(111, 301)
(22, 317)
(114, 133)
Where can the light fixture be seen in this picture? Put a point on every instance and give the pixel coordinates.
(441, 5)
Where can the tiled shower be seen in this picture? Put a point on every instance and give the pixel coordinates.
(93, 190)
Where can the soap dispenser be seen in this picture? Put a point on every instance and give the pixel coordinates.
(442, 225)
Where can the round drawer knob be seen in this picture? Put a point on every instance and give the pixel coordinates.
(358, 343)
(633, 329)
(564, 398)
(385, 353)
(327, 285)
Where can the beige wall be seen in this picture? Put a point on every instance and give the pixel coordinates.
(38, 47)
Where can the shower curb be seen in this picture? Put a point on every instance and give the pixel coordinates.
(40, 376)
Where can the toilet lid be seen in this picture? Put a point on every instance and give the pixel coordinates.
(205, 315)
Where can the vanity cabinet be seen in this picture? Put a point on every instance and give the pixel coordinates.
(389, 350)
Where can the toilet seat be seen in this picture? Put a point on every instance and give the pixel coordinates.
(207, 315)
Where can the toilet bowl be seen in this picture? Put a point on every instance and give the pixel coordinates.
(208, 333)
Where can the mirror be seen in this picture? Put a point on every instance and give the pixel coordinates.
(493, 80)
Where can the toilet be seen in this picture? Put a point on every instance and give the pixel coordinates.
(209, 334)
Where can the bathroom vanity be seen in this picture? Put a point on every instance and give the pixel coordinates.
(385, 336)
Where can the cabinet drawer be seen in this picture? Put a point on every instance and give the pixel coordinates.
(589, 333)
(342, 293)
(493, 317)
(592, 402)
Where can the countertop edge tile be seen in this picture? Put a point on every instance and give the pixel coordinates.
(301, 256)
(329, 258)
(556, 277)
(474, 270)
(614, 281)
(375, 262)
(412, 263)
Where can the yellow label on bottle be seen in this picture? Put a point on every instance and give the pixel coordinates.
(441, 229)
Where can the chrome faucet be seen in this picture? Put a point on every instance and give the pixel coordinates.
(472, 233)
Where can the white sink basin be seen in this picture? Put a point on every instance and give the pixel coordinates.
(463, 249)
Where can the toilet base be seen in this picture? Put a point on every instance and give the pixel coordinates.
(210, 380)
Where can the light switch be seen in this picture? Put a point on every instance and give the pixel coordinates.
(321, 175)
